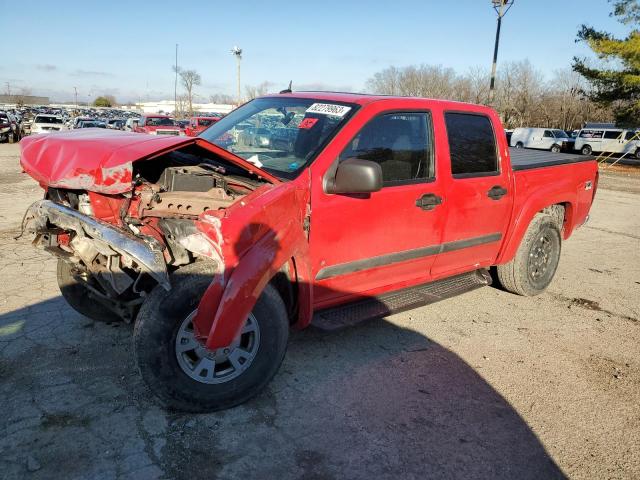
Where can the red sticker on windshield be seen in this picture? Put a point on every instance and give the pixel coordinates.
(308, 123)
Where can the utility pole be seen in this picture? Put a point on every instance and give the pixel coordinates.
(237, 51)
(175, 86)
(501, 7)
(75, 89)
(8, 90)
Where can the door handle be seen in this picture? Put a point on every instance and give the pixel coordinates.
(496, 192)
(428, 201)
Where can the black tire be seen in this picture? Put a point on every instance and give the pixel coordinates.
(519, 145)
(556, 148)
(156, 331)
(79, 297)
(586, 150)
(523, 275)
(636, 154)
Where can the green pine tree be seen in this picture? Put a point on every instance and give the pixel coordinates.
(618, 83)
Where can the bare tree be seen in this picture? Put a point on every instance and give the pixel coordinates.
(189, 79)
(523, 95)
(252, 92)
(223, 99)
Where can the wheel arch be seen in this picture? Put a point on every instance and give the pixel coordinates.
(561, 209)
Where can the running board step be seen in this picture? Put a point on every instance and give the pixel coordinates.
(343, 316)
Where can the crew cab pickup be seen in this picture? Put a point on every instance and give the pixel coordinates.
(215, 248)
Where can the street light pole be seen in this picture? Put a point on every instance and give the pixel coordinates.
(75, 90)
(501, 7)
(175, 86)
(237, 51)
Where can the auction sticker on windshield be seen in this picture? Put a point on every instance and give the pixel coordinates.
(328, 109)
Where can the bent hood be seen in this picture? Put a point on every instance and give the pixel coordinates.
(101, 160)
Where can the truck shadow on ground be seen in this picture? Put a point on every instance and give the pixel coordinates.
(376, 400)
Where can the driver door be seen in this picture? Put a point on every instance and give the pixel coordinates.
(364, 244)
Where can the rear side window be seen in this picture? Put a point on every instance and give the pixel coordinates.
(400, 142)
(612, 134)
(472, 144)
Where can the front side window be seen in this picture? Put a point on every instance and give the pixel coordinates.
(472, 144)
(254, 131)
(631, 136)
(400, 142)
(547, 134)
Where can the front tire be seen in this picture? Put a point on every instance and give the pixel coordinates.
(186, 376)
(555, 148)
(519, 145)
(536, 261)
(81, 298)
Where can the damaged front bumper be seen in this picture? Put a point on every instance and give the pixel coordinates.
(146, 253)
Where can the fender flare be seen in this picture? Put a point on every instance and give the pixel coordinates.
(233, 295)
(514, 236)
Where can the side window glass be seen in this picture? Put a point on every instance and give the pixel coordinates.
(547, 134)
(472, 145)
(631, 136)
(612, 134)
(400, 142)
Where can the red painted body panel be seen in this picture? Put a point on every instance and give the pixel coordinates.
(265, 232)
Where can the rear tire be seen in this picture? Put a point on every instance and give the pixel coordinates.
(80, 298)
(519, 145)
(183, 384)
(536, 261)
(586, 150)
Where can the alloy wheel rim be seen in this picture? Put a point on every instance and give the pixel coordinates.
(540, 257)
(216, 366)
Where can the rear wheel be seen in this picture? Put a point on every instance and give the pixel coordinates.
(519, 145)
(75, 291)
(536, 261)
(586, 150)
(555, 148)
(185, 375)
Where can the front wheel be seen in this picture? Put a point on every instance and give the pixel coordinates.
(555, 148)
(185, 375)
(519, 145)
(536, 261)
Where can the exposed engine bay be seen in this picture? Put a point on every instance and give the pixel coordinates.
(122, 246)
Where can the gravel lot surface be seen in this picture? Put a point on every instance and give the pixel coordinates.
(485, 385)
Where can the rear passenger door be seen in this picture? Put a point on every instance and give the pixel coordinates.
(478, 196)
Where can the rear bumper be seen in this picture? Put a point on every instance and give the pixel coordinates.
(146, 253)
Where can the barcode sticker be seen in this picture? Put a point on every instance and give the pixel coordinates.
(329, 109)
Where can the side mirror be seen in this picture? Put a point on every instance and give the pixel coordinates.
(355, 175)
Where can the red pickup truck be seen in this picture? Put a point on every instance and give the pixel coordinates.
(156, 125)
(379, 204)
(199, 124)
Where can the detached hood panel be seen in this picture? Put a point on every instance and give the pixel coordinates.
(99, 160)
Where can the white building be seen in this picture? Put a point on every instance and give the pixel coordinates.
(167, 106)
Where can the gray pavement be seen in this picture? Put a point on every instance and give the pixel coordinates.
(485, 385)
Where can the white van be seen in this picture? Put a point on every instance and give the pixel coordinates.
(608, 140)
(542, 138)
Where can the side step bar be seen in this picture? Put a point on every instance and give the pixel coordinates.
(342, 316)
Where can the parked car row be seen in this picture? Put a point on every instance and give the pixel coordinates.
(586, 141)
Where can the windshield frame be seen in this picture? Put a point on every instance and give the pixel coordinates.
(282, 175)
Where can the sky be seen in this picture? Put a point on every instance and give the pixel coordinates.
(127, 48)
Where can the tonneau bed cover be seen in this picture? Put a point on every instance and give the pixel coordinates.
(525, 159)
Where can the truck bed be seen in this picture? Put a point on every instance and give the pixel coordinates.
(525, 159)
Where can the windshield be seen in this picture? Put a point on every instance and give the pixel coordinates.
(560, 134)
(159, 122)
(43, 119)
(280, 134)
